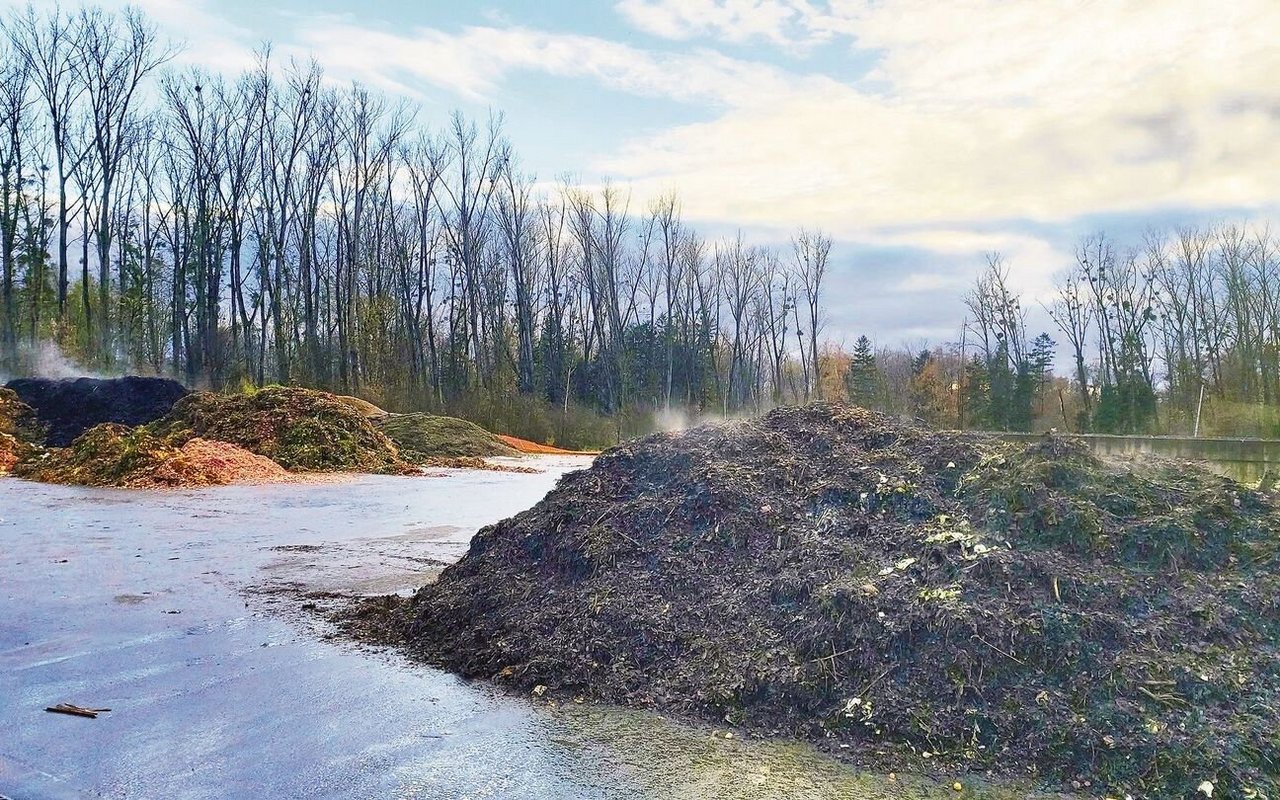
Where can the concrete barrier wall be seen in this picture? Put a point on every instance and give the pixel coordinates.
(1247, 460)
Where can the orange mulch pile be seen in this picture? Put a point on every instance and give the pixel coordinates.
(526, 446)
(204, 462)
(10, 452)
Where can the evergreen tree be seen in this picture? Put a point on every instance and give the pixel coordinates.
(1001, 388)
(975, 408)
(864, 374)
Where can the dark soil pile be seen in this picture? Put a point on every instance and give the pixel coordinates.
(300, 429)
(70, 407)
(116, 455)
(827, 573)
(425, 436)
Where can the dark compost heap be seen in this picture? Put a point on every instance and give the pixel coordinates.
(70, 407)
(827, 573)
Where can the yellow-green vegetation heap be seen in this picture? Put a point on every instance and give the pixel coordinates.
(20, 431)
(303, 430)
(422, 437)
(828, 573)
(367, 410)
(117, 455)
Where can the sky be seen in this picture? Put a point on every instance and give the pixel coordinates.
(920, 134)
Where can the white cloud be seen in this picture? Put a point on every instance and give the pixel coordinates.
(731, 20)
(211, 41)
(475, 62)
(989, 110)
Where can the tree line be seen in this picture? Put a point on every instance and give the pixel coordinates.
(1177, 333)
(272, 227)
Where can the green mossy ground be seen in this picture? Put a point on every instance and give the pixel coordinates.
(421, 437)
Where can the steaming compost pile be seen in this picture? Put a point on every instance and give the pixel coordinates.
(420, 437)
(72, 406)
(210, 439)
(827, 573)
(302, 430)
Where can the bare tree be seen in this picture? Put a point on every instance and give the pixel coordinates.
(15, 126)
(811, 250)
(1072, 313)
(49, 47)
(114, 54)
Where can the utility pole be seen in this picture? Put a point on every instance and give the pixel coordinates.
(1199, 406)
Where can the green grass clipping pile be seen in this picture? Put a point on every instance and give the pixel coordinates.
(302, 430)
(422, 437)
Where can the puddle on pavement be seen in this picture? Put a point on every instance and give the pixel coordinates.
(668, 758)
(639, 754)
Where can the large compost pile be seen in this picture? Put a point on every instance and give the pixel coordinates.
(421, 437)
(71, 406)
(300, 429)
(207, 438)
(825, 572)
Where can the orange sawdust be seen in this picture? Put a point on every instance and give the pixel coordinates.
(526, 446)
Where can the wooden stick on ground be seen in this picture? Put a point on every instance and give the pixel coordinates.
(78, 711)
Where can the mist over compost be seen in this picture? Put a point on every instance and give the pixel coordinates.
(826, 573)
